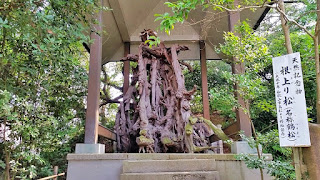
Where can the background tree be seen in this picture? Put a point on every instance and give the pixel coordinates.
(220, 97)
(302, 18)
(43, 80)
(111, 92)
(312, 31)
(266, 105)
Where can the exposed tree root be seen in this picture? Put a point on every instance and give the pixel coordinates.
(155, 114)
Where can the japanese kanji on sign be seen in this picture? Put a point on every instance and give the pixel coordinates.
(290, 99)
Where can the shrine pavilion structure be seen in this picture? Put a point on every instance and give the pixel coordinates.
(201, 32)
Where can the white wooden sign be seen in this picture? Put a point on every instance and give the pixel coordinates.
(290, 99)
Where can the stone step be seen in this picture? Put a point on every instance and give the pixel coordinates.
(180, 165)
(195, 175)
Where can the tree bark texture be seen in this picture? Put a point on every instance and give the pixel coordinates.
(155, 114)
(285, 28)
(316, 48)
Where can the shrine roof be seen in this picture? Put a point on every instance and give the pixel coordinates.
(129, 17)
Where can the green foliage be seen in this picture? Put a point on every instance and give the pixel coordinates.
(182, 8)
(255, 85)
(280, 167)
(246, 47)
(215, 70)
(220, 89)
(152, 41)
(111, 87)
(196, 103)
(271, 144)
(43, 80)
(304, 44)
(222, 99)
(305, 14)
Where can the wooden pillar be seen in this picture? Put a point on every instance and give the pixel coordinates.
(204, 80)
(93, 98)
(55, 172)
(243, 120)
(126, 68)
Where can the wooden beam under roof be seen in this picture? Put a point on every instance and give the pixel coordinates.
(107, 133)
(119, 18)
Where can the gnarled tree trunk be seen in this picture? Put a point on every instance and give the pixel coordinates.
(155, 115)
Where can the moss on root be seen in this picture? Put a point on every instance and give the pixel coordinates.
(166, 141)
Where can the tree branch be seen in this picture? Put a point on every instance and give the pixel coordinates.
(264, 4)
(294, 22)
(187, 65)
(313, 11)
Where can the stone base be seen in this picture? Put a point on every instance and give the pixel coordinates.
(196, 175)
(90, 148)
(239, 147)
(111, 166)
